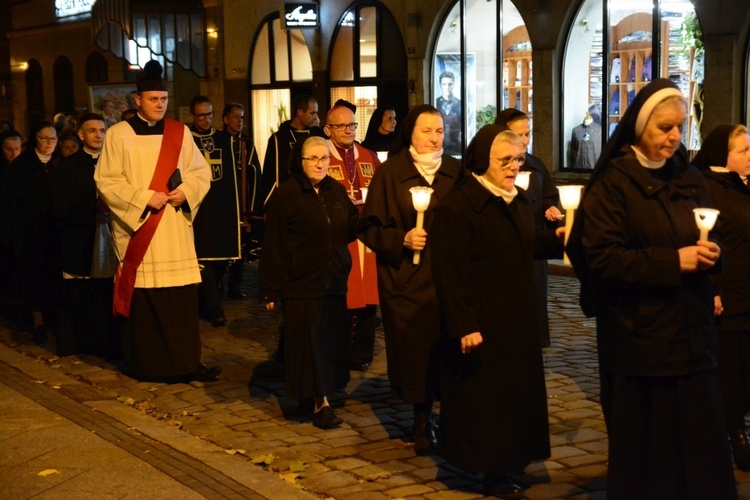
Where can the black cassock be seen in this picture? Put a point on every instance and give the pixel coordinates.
(217, 230)
(493, 415)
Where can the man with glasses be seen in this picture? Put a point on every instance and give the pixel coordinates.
(353, 166)
(217, 228)
(153, 178)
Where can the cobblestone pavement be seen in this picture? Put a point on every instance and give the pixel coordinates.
(245, 413)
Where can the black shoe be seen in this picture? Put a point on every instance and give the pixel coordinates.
(502, 486)
(221, 320)
(204, 374)
(425, 442)
(237, 295)
(326, 418)
(359, 366)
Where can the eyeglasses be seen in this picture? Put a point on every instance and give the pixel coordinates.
(507, 161)
(46, 139)
(205, 115)
(342, 126)
(315, 161)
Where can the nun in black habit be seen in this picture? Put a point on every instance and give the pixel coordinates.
(724, 159)
(544, 198)
(493, 413)
(408, 302)
(645, 276)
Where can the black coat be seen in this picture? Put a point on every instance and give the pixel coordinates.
(652, 319)
(305, 252)
(74, 206)
(493, 415)
(542, 194)
(732, 197)
(408, 301)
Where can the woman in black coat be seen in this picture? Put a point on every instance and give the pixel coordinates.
(645, 276)
(305, 264)
(33, 234)
(544, 198)
(724, 159)
(493, 413)
(408, 301)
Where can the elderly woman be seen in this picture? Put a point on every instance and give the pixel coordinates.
(493, 413)
(544, 198)
(408, 301)
(304, 265)
(724, 159)
(381, 131)
(27, 205)
(645, 276)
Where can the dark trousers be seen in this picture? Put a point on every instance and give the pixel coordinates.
(209, 296)
(734, 375)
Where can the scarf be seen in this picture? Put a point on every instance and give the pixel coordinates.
(427, 163)
(497, 191)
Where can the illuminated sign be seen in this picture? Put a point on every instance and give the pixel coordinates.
(65, 8)
(301, 15)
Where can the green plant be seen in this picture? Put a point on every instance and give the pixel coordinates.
(486, 116)
(691, 35)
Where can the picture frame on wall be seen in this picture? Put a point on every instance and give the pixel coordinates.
(121, 94)
(450, 75)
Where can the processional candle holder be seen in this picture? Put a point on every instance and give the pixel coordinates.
(522, 180)
(364, 194)
(570, 197)
(705, 218)
(420, 197)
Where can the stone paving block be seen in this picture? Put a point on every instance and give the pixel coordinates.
(380, 456)
(361, 488)
(407, 491)
(558, 490)
(327, 481)
(453, 495)
(593, 471)
(584, 434)
(347, 463)
(579, 460)
(345, 441)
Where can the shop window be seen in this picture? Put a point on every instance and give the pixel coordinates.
(468, 84)
(280, 69)
(368, 63)
(63, 78)
(97, 70)
(619, 61)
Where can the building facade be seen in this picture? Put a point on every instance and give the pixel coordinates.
(560, 61)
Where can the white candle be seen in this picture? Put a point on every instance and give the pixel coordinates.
(705, 218)
(570, 197)
(420, 197)
(522, 180)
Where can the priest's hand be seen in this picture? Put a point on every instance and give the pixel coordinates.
(553, 214)
(269, 306)
(470, 342)
(176, 197)
(157, 201)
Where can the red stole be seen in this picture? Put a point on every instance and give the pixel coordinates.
(169, 153)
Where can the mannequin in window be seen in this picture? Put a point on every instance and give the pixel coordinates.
(585, 143)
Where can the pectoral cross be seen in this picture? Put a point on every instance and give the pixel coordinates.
(352, 192)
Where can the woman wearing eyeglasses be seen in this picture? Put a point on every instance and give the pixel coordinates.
(408, 302)
(493, 413)
(28, 213)
(645, 276)
(304, 265)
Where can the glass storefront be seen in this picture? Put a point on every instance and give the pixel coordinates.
(280, 57)
(604, 69)
(468, 85)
